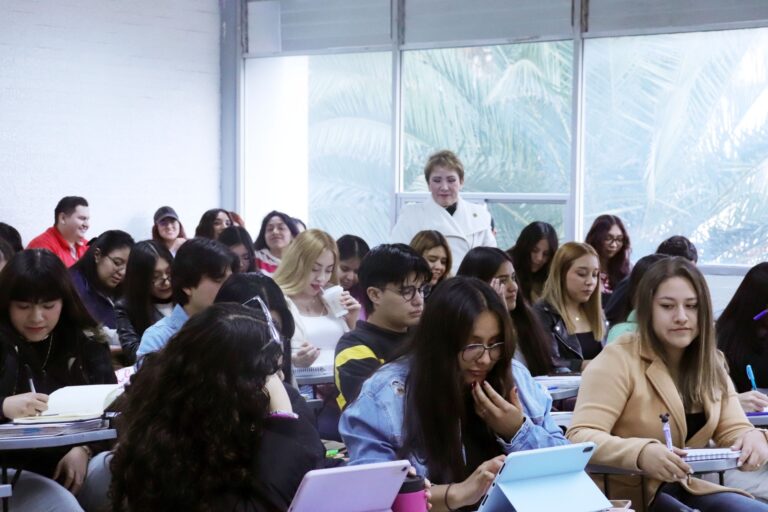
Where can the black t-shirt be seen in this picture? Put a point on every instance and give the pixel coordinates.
(589, 346)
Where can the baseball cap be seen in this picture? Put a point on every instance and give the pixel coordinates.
(164, 212)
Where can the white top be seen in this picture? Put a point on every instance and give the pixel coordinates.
(324, 333)
(164, 309)
(467, 228)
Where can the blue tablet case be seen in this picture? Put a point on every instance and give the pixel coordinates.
(548, 479)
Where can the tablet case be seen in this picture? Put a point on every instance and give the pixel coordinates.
(547, 479)
(362, 488)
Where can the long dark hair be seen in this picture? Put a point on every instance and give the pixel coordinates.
(531, 235)
(435, 388)
(242, 288)
(106, 242)
(618, 266)
(204, 228)
(638, 271)
(483, 263)
(238, 235)
(261, 240)
(738, 335)
(183, 446)
(139, 276)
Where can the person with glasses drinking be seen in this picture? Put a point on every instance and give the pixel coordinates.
(147, 295)
(609, 238)
(98, 278)
(468, 403)
(393, 278)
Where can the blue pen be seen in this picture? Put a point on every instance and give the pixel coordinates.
(751, 377)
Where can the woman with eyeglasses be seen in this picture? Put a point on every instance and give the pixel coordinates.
(468, 403)
(494, 266)
(239, 242)
(609, 238)
(147, 295)
(98, 278)
(224, 435)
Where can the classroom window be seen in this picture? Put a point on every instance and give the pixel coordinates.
(675, 138)
(510, 218)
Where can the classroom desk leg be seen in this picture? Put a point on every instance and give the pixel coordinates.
(5, 482)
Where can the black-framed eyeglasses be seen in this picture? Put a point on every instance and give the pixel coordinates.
(118, 263)
(475, 351)
(409, 292)
(611, 240)
(274, 334)
(160, 279)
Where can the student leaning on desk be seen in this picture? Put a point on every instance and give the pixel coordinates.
(670, 366)
(44, 347)
(452, 404)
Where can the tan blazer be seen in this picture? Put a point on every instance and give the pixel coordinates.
(623, 392)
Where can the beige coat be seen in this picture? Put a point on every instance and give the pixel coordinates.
(623, 392)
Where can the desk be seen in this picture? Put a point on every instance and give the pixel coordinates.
(758, 420)
(42, 442)
(312, 380)
(561, 393)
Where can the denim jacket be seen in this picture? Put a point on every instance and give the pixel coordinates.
(372, 425)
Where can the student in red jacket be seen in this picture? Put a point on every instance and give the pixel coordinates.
(65, 238)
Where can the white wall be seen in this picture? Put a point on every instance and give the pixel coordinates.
(113, 100)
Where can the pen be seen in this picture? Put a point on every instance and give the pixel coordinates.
(751, 377)
(665, 427)
(29, 376)
(760, 314)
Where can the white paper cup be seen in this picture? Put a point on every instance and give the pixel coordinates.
(332, 299)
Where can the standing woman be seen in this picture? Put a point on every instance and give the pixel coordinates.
(168, 230)
(610, 239)
(494, 266)
(277, 232)
(570, 307)
(465, 225)
(240, 242)
(352, 250)
(468, 403)
(46, 337)
(532, 257)
(147, 295)
(99, 274)
(671, 366)
(434, 248)
(212, 223)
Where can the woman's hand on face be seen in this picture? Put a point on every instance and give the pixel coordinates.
(278, 396)
(72, 469)
(753, 401)
(754, 450)
(305, 356)
(501, 289)
(471, 490)
(25, 404)
(505, 417)
(662, 464)
(352, 307)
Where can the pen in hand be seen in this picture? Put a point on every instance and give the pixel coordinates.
(751, 377)
(31, 382)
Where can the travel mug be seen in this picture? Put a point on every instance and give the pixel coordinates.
(412, 497)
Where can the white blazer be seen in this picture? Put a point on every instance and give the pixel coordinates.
(467, 228)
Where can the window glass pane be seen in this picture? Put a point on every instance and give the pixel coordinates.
(510, 218)
(505, 110)
(318, 141)
(676, 131)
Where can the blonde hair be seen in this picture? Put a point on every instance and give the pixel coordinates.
(555, 291)
(292, 274)
(702, 371)
(423, 241)
(446, 159)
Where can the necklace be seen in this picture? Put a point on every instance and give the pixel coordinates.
(312, 306)
(48, 354)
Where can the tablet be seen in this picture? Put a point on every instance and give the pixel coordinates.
(362, 488)
(549, 479)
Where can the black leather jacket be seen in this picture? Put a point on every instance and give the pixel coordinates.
(565, 347)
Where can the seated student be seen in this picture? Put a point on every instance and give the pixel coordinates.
(197, 272)
(277, 232)
(670, 366)
(393, 277)
(167, 229)
(147, 295)
(6, 253)
(212, 223)
(610, 239)
(352, 250)
(468, 403)
(208, 425)
(46, 337)
(627, 321)
(239, 242)
(11, 235)
(98, 278)
(494, 266)
(673, 246)
(532, 257)
(570, 307)
(65, 238)
(434, 248)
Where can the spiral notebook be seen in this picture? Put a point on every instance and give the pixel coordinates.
(710, 454)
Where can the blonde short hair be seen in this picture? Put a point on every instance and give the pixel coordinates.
(447, 159)
(292, 274)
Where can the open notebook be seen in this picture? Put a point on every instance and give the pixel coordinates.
(74, 403)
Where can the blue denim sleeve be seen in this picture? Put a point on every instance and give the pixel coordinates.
(539, 429)
(368, 430)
